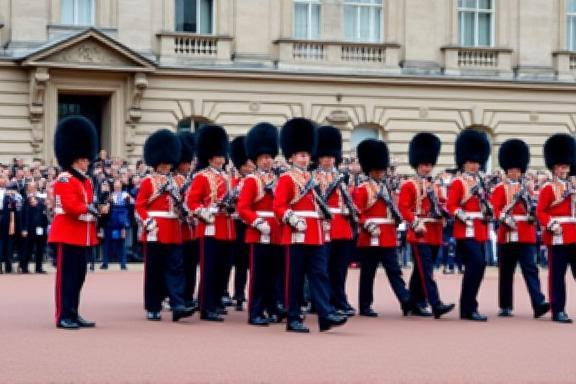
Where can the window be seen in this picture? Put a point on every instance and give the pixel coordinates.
(476, 20)
(77, 12)
(195, 16)
(363, 20)
(571, 25)
(190, 124)
(361, 133)
(307, 19)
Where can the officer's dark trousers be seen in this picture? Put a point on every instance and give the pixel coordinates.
(163, 275)
(338, 259)
(472, 254)
(6, 251)
(559, 256)
(190, 258)
(310, 261)
(214, 256)
(241, 257)
(70, 275)
(264, 259)
(422, 284)
(509, 256)
(370, 258)
(33, 244)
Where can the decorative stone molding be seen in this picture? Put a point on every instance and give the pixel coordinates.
(90, 52)
(477, 61)
(38, 83)
(139, 86)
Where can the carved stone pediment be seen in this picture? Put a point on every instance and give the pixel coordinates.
(89, 52)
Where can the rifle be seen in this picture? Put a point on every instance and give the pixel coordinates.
(228, 202)
(524, 196)
(352, 209)
(311, 186)
(479, 190)
(437, 211)
(384, 195)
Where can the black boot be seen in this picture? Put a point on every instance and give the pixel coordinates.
(368, 312)
(181, 312)
(332, 320)
(474, 316)
(561, 317)
(442, 309)
(297, 327)
(67, 324)
(259, 321)
(541, 309)
(418, 310)
(83, 323)
(211, 316)
(153, 316)
(505, 312)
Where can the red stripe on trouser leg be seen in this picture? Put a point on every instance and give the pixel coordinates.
(420, 266)
(58, 290)
(251, 286)
(202, 276)
(287, 277)
(550, 283)
(144, 254)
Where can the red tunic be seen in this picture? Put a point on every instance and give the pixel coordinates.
(373, 208)
(340, 228)
(413, 203)
(501, 198)
(288, 197)
(460, 198)
(253, 202)
(72, 223)
(187, 227)
(208, 188)
(150, 203)
(551, 206)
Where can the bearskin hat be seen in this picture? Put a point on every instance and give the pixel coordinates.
(211, 140)
(261, 139)
(329, 143)
(373, 155)
(424, 148)
(162, 147)
(298, 135)
(75, 138)
(514, 153)
(559, 149)
(188, 141)
(472, 145)
(238, 151)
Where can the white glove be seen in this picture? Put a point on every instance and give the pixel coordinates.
(296, 222)
(419, 227)
(262, 225)
(555, 227)
(150, 225)
(461, 215)
(205, 215)
(372, 228)
(508, 221)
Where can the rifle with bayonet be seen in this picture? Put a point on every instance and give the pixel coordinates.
(311, 186)
(385, 196)
(436, 209)
(480, 191)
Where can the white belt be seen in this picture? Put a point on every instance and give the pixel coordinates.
(521, 217)
(265, 214)
(565, 219)
(428, 220)
(338, 211)
(474, 215)
(86, 217)
(309, 214)
(163, 214)
(381, 220)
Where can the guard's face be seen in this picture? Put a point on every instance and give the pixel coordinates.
(424, 169)
(326, 162)
(247, 168)
(561, 170)
(301, 159)
(377, 174)
(82, 164)
(265, 162)
(184, 167)
(514, 173)
(471, 166)
(217, 161)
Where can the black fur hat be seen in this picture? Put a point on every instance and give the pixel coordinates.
(298, 135)
(424, 148)
(238, 151)
(261, 139)
(514, 153)
(559, 149)
(373, 155)
(75, 138)
(211, 140)
(329, 143)
(188, 141)
(163, 146)
(472, 145)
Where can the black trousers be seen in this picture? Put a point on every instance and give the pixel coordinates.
(338, 259)
(163, 275)
(264, 261)
(509, 256)
(370, 258)
(32, 244)
(214, 256)
(423, 288)
(472, 253)
(559, 256)
(190, 258)
(241, 255)
(312, 262)
(7, 244)
(70, 275)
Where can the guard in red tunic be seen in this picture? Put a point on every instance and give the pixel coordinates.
(338, 231)
(210, 199)
(557, 217)
(73, 230)
(468, 203)
(157, 208)
(190, 253)
(296, 206)
(263, 230)
(378, 220)
(419, 204)
(514, 208)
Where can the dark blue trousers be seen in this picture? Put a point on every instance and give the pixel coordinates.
(190, 257)
(214, 258)
(338, 259)
(163, 275)
(70, 276)
(559, 256)
(370, 258)
(509, 256)
(423, 288)
(241, 255)
(264, 261)
(472, 254)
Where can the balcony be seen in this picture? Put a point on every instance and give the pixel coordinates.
(476, 61)
(565, 65)
(310, 53)
(188, 48)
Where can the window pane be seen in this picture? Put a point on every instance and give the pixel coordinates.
(67, 11)
(571, 6)
(364, 24)
(186, 16)
(467, 28)
(376, 21)
(84, 12)
(467, 3)
(484, 30)
(350, 23)
(485, 4)
(315, 27)
(300, 21)
(206, 16)
(571, 33)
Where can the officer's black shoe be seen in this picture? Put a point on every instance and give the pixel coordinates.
(153, 316)
(474, 316)
(347, 311)
(368, 312)
(406, 308)
(221, 311)
(239, 305)
(541, 309)
(211, 316)
(259, 321)
(67, 324)
(296, 326)
(227, 301)
(561, 317)
(83, 323)
(505, 312)
(442, 309)
(332, 320)
(41, 271)
(421, 311)
(181, 312)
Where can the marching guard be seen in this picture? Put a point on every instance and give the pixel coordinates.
(420, 205)
(557, 216)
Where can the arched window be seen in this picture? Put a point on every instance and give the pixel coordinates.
(363, 132)
(191, 124)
